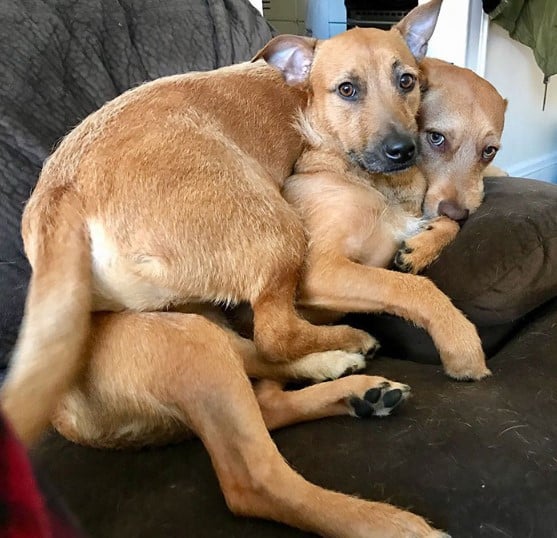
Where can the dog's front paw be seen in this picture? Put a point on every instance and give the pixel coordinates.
(466, 371)
(421, 250)
(403, 259)
(466, 362)
(415, 255)
(417, 252)
(379, 399)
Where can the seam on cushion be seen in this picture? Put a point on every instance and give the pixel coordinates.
(512, 313)
(504, 275)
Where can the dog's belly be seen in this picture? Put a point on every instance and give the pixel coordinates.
(120, 282)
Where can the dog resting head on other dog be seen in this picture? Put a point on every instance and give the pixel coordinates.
(348, 75)
(461, 121)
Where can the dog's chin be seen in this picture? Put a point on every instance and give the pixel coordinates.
(377, 165)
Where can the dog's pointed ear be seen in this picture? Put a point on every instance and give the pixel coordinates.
(290, 54)
(417, 27)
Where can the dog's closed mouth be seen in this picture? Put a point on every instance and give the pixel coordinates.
(371, 162)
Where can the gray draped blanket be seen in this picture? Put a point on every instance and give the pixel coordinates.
(62, 59)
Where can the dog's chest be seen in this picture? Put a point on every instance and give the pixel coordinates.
(376, 245)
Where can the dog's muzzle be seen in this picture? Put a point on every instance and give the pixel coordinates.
(396, 152)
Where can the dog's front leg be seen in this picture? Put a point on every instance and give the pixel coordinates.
(422, 249)
(333, 282)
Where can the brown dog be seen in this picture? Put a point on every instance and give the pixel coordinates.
(125, 212)
(142, 403)
(461, 121)
(149, 248)
(357, 219)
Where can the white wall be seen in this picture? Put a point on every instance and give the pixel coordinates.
(451, 33)
(465, 37)
(530, 136)
(258, 4)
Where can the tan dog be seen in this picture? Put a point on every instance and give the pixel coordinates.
(170, 194)
(357, 220)
(144, 402)
(151, 375)
(461, 121)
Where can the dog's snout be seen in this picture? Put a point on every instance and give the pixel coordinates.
(453, 210)
(399, 148)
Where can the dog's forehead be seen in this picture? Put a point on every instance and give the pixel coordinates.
(460, 96)
(363, 48)
(459, 118)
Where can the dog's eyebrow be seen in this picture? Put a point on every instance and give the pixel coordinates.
(354, 78)
(399, 66)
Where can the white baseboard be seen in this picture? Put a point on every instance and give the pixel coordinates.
(543, 168)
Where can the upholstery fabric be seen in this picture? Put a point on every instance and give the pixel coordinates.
(477, 459)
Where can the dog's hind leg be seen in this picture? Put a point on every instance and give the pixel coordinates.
(180, 371)
(360, 396)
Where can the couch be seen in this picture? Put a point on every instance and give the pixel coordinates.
(477, 459)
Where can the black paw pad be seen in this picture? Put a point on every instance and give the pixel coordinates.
(362, 408)
(399, 260)
(392, 397)
(373, 395)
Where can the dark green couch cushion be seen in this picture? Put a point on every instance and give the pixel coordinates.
(501, 267)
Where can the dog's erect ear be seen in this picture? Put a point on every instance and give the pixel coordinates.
(291, 54)
(417, 27)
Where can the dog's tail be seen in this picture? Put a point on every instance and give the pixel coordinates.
(49, 351)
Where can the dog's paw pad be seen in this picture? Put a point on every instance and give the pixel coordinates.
(402, 259)
(379, 401)
(392, 398)
(372, 395)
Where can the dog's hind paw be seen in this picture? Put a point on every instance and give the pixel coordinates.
(327, 365)
(379, 400)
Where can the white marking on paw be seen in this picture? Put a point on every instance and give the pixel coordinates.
(327, 365)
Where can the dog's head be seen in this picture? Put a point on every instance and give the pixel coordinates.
(461, 121)
(363, 88)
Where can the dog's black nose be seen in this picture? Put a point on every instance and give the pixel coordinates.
(399, 148)
(451, 209)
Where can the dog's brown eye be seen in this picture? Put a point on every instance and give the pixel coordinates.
(436, 139)
(347, 90)
(488, 153)
(407, 82)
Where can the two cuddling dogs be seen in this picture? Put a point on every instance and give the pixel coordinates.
(169, 198)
